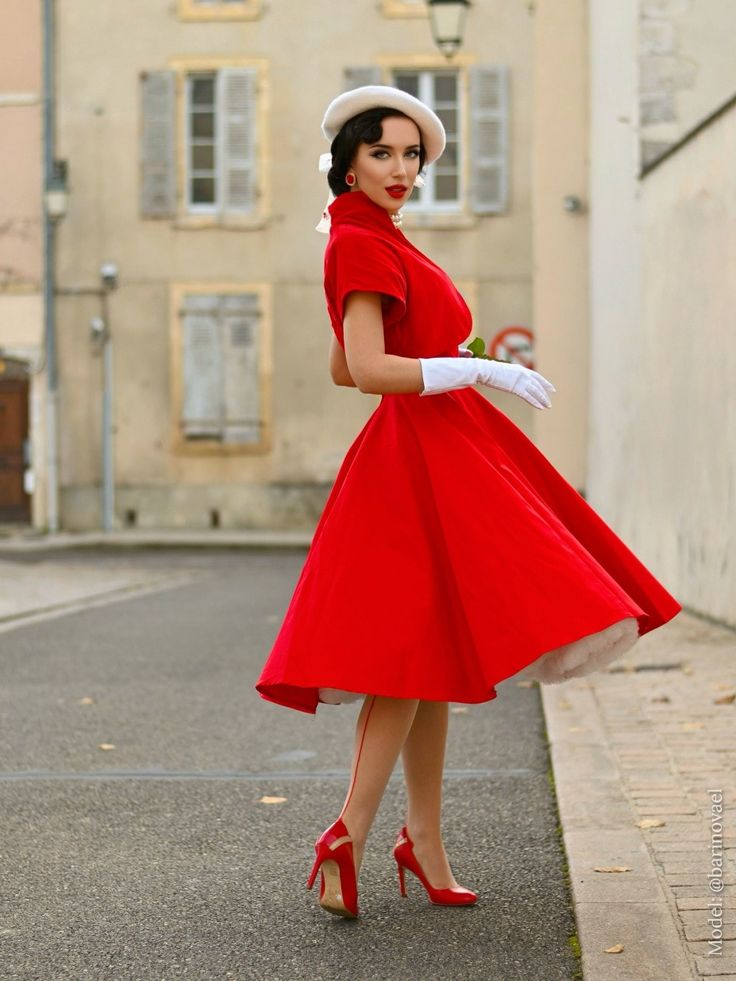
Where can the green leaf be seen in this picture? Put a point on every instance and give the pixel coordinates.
(478, 347)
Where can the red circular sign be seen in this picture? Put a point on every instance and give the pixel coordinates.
(515, 344)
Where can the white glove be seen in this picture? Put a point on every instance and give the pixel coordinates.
(445, 374)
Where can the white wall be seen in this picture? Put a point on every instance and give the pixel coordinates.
(685, 458)
(662, 449)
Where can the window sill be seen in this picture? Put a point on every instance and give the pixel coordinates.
(395, 8)
(440, 221)
(216, 448)
(248, 10)
(243, 223)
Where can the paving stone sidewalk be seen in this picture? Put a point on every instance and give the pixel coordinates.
(644, 758)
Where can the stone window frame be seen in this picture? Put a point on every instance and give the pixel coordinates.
(180, 445)
(260, 217)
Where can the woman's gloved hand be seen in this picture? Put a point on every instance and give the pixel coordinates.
(445, 374)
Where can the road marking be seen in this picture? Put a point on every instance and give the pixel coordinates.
(340, 774)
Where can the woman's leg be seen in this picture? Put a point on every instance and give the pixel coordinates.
(382, 727)
(423, 757)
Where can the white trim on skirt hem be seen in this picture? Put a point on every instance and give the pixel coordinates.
(580, 657)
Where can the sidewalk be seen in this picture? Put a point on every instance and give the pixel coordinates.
(641, 754)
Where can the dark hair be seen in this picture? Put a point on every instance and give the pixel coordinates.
(366, 127)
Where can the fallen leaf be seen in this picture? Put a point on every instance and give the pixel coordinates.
(564, 704)
(86, 700)
(650, 823)
(616, 949)
(662, 698)
(525, 684)
(611, 868)
(725, 699)
(106, 746)
(272, 800)
(687, 669)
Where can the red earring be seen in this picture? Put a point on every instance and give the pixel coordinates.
(350, 179)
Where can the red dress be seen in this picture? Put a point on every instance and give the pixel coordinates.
(450, 554)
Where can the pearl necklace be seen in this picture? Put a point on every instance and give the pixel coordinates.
(396, 218)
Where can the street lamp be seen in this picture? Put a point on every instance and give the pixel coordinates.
(447, 20)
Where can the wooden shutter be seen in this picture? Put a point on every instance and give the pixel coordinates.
(202, 412)
(157, 153)
(241, 358)
(367, 75)
(489, 137)
(237, 95)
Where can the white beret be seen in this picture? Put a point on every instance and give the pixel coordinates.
(350, 103)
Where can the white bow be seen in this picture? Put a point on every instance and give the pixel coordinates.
(325, 162)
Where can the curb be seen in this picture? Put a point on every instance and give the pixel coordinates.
(162, 538)
(600, 830)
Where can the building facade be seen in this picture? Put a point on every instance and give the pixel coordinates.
(192, 168)
(22, 370)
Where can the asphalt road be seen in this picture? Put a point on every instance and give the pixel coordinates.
(157, 859)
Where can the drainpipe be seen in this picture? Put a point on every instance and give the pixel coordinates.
(49, 237)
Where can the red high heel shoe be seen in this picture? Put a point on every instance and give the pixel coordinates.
(405, 858)
(338, 891)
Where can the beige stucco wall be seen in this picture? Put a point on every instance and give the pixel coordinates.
(20, 143)
(313, 420)
(559, 163)
(616, 371)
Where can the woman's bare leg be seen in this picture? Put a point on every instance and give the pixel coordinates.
(423, 757)
(382, 727)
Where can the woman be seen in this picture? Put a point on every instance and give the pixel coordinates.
(450, 554)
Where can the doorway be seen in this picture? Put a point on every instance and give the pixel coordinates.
(15, 503)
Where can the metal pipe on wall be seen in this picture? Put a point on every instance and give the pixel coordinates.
(49, 239)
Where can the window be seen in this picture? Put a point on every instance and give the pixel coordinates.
(220, 141)
(471, 176)
(219, 9)
(220, 360)
(440, 90)
(202, 144)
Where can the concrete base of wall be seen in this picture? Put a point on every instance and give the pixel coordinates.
(266, 506)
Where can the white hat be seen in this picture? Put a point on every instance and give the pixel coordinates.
(354, 101)
(350, 103)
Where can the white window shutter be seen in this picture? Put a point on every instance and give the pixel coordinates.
(202, 360)
(157, 155)
(241, 356)
(237, 102)
(353, 78)
(489, 112)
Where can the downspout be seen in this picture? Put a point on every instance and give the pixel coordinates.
(49, 238)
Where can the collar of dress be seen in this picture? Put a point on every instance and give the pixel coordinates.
(356, 208)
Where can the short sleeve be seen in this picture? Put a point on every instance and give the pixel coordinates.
(361, 260)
